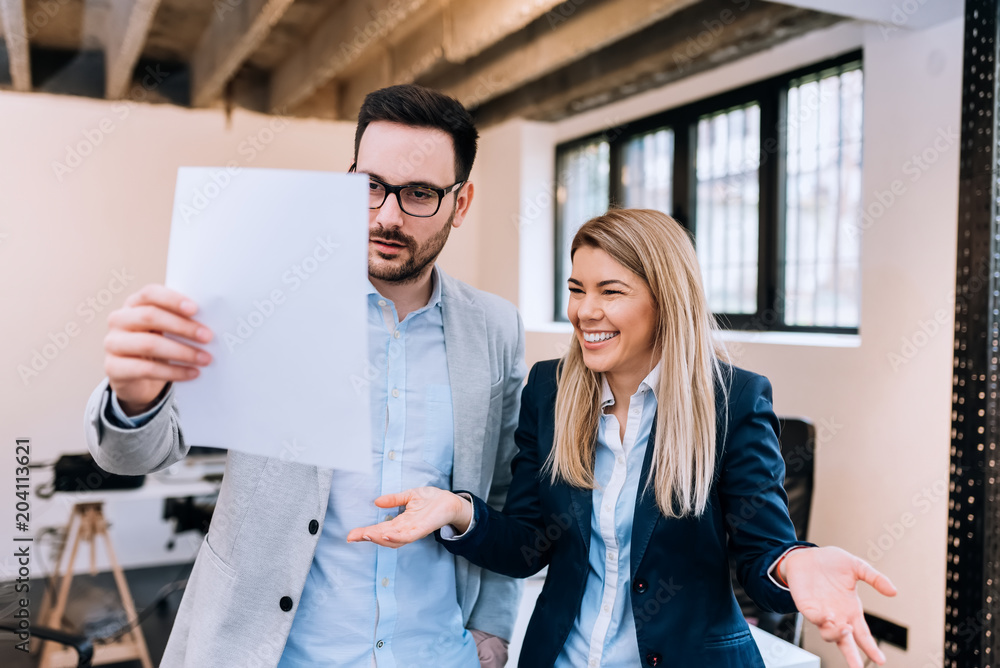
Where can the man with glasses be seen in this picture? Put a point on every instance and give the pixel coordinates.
(276, 583)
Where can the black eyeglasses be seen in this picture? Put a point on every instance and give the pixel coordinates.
(414, 200)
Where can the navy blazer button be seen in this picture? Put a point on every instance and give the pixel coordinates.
(285, 603)
(313, 527)
(653, 659)
(640, 586)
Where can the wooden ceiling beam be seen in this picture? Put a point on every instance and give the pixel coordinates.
(237, 28)
(128, 23)
(15, 34)
(567, 38)
(450, 35)
(660, 54)
(344, 38)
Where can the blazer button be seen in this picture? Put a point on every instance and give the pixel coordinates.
(285, 603)
(653, 659)
(640, 586)
(313, 527)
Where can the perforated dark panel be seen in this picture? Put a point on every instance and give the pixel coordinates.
(972, 595)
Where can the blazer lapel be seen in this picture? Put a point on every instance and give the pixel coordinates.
(647, 513)
(582, 507)
(469, 373)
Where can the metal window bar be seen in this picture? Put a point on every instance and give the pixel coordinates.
(582, 192)
(822, 204)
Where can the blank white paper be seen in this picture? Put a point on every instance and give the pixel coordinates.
(277, 261)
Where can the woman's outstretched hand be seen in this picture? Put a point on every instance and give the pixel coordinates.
(823, 582)
(427, 510)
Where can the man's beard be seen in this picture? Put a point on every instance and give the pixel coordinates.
(420, 256)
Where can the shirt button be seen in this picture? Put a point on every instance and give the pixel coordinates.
(395, 392)
(388, 518)
(381, 302)
(379, 644)
(396, 334)
(385, 582)
(612, 554)
(635, 411)
(607, 608)
(392, 454)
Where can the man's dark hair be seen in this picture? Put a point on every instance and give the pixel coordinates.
(414, 105)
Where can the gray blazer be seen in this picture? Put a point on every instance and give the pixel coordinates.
(259, 549)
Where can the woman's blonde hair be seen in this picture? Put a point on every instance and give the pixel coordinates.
(656, 248)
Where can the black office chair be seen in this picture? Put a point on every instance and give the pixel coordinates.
(83, 646)
(798, 440)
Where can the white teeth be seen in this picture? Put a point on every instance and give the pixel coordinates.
(600, 336)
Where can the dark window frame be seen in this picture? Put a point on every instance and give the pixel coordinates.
(770, 95)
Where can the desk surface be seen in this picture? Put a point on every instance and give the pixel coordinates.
(182, 479)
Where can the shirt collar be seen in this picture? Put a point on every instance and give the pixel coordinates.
(435, 299)
(649, 383)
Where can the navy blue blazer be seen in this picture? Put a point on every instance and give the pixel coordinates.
(682, 597)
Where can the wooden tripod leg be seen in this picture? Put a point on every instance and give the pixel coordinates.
(137, 639)
(55, 618)
(53, 580)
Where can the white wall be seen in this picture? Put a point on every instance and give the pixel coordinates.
(881, 401)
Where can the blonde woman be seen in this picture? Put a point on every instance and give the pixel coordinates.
(645, 463)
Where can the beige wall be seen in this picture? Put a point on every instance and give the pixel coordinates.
(881, 401)
(68, 236)
(86, 194)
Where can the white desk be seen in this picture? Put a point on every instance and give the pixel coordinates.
(776, 652)
(139, 532)
(180, 480)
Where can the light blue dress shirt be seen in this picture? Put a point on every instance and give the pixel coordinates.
(604, 632)
(363, 604)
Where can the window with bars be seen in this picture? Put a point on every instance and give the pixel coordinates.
(767, 179)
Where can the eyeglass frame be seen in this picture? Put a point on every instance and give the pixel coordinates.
(395, 190)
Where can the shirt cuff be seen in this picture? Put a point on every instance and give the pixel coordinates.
(448, 531)
(124, 421)
(770, 571)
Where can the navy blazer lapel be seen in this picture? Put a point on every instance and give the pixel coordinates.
(647, 513)
(581, 506)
